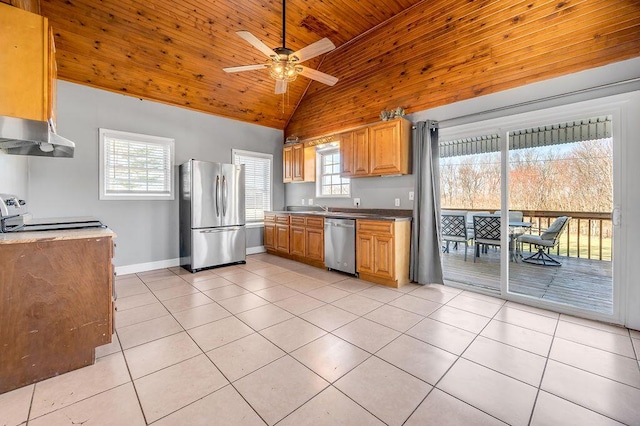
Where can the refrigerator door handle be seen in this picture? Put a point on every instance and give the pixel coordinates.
(225, 194)
(218, 230)
(218, 195)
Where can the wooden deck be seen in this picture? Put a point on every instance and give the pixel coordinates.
(582, 283)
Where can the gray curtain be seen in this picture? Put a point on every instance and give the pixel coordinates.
(426, 262)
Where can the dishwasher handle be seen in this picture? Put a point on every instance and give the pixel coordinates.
(344, 224)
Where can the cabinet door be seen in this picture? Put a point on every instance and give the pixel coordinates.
(364, 253)
(298, 162)
(282, 238)
(297, 240)
(314, 244)
(383, 256)
(347, 153)
(361, 152)
(24, 79)
(385, 156)
(269, 235)
(287, 164)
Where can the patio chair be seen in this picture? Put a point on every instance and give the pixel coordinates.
(453, 229)
(486, 230)
(545, 241)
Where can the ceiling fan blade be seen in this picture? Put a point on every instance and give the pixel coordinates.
(318, 76)
(281, 87)
(245, 68)
(256, 42)
(314, 49)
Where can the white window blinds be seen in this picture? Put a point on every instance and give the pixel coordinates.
(135, 166)
(257, 167)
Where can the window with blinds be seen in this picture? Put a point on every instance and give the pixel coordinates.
(257, 168)
(135, 166)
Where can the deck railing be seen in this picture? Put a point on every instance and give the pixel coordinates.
(589, 234)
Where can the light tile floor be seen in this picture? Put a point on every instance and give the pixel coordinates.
(279, 342)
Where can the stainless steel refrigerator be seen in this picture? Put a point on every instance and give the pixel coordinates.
(212, 220)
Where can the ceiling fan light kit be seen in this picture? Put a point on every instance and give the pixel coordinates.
(284, 64)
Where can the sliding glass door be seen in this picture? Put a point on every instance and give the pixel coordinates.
(536, 196)
(560, 184)
(470, 189)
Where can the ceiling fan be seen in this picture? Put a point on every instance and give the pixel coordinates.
(284, 64)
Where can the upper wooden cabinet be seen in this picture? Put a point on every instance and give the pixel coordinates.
(298, 163)
(28, 82)
(389, 147)
(377, 149)
(354, 152)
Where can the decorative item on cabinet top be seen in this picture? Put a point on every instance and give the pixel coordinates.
(391, 114)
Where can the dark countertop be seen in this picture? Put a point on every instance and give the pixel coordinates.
(388, 215)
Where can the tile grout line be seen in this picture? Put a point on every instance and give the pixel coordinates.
(544, 370)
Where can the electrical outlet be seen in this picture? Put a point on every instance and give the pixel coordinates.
(397, 202)
(356, 202)
(310, 201)
(410, 195)
(303, 201)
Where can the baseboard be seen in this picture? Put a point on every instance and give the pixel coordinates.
(169, 263)
(149, 266)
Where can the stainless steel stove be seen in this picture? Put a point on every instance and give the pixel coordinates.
(14, 217)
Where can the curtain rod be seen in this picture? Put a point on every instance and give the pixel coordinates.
(536, 101)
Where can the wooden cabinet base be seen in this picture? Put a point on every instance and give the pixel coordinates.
(55, 307)
(384, 281)
(301, 259)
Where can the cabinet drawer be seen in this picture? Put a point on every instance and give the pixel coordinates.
(269, 217)
(282, 218)
(297, 220)
(378, 227)
(315, 222)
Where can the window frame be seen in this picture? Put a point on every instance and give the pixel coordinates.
(261, 155)
(135, 137)
(320, 153)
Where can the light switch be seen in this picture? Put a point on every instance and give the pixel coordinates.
(410, 195)
(310, 201)
(397, 202)
(303, 201)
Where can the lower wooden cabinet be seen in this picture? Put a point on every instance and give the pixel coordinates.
(314, 243)
(382, 247)
(269, 232)
(382, 251)
(56, 306)
(297, 237)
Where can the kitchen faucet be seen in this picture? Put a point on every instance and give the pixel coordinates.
(324, 208)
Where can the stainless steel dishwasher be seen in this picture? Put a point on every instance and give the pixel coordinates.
(340, 244)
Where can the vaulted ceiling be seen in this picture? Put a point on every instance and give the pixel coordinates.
(174, 51)
(417, 54)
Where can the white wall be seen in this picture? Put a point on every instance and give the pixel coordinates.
(13, 175)
(147, 230)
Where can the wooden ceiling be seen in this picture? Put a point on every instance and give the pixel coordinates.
(417, 54)
(174, 51)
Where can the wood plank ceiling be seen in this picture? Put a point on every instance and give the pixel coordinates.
(410, 53)
(174, 51)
